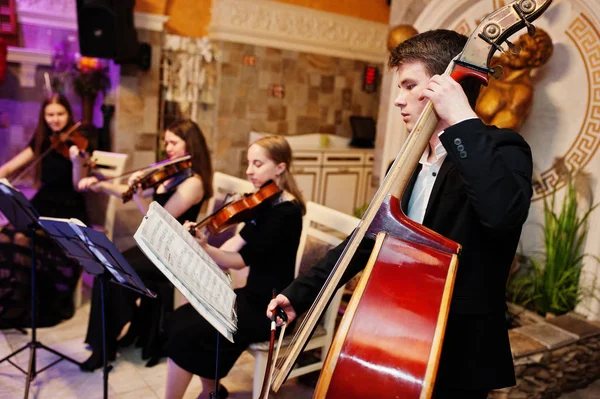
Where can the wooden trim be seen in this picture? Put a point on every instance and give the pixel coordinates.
(341, 171)
(302, 172)
(342, 332)
(440, 330)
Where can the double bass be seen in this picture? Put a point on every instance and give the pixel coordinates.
(369, 361)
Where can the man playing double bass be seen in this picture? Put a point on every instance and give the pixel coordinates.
(473, 186)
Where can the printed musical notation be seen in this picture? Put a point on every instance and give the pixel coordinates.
(183, 261)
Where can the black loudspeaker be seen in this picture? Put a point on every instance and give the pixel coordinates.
(106, 29)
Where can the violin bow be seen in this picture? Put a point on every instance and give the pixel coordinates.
(147, 168)
(39, 159)
(268, 378)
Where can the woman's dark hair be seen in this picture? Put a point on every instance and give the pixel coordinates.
(195, 145)
(42, 129)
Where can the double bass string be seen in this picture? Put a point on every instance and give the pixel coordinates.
(406, 160)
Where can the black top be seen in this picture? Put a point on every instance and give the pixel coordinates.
(56, 196)
(191, 214)
(272, 239)
(57, 171)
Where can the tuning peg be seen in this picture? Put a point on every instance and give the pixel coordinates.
(514, 49)
(492, 43)
(497, 71)
(527, 6)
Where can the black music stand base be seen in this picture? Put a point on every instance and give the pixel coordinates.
(34, 344)
(103, 279)
(215, 394)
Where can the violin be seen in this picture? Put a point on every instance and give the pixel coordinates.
(61, 142)
(238, 211)
(180, 168)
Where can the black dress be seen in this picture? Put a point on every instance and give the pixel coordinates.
(56, 197)
(272, 240)
(120, 307)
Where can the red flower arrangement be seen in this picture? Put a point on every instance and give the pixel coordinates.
(90, 78)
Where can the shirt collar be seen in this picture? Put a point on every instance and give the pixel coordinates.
(440, 153)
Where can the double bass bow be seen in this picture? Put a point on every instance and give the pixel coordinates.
(397, 358)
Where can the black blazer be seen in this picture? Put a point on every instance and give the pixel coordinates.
(480, 199)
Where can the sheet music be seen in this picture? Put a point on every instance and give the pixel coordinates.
(183, 261)
(76, 225)
(5, 181)
(14, 203)
(3, 219)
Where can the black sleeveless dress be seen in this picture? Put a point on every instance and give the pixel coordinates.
(120, 303)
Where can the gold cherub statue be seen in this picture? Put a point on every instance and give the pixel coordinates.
(506, 102)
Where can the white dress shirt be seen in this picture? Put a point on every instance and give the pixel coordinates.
(421, 192)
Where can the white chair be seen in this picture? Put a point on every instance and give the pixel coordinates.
(223, 186)
(109, 165)
(322, 228)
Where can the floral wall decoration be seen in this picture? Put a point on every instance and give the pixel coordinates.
(86, 75)
(188, 74)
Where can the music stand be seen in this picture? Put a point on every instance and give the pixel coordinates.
(24, 218)
(100, 258)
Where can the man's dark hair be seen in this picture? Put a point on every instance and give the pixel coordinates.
(435, 49)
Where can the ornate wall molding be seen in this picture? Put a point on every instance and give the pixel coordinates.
(57, 6)
(63, 14)
(29, 60)
(49, 13)
(279, 25)
(151, 22)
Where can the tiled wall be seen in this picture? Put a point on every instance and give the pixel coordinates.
(321, 93)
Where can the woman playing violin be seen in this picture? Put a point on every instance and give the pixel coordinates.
(56, 172)
(49, 155)
(182, 196)
(267, 244)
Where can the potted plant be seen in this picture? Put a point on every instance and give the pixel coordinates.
(549, 284)
(89, 76)
(90, 79)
